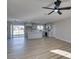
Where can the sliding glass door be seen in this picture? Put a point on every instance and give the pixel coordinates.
(18, 30)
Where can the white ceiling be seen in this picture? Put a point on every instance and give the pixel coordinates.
(32, 11)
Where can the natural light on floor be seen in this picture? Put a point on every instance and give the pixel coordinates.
(61, 52)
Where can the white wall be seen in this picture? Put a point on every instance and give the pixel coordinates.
(62, 30)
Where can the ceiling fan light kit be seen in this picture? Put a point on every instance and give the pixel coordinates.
(55, 10)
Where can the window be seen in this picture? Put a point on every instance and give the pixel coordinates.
(40, 27)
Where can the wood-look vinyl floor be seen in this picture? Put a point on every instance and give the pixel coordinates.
(36, 48)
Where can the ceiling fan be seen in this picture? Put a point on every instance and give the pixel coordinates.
(56, 8)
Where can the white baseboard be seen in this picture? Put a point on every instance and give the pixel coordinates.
(61, 39)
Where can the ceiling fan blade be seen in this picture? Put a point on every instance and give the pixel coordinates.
(47, 8)
(59, 12)
(50, 12)
(64, 8)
